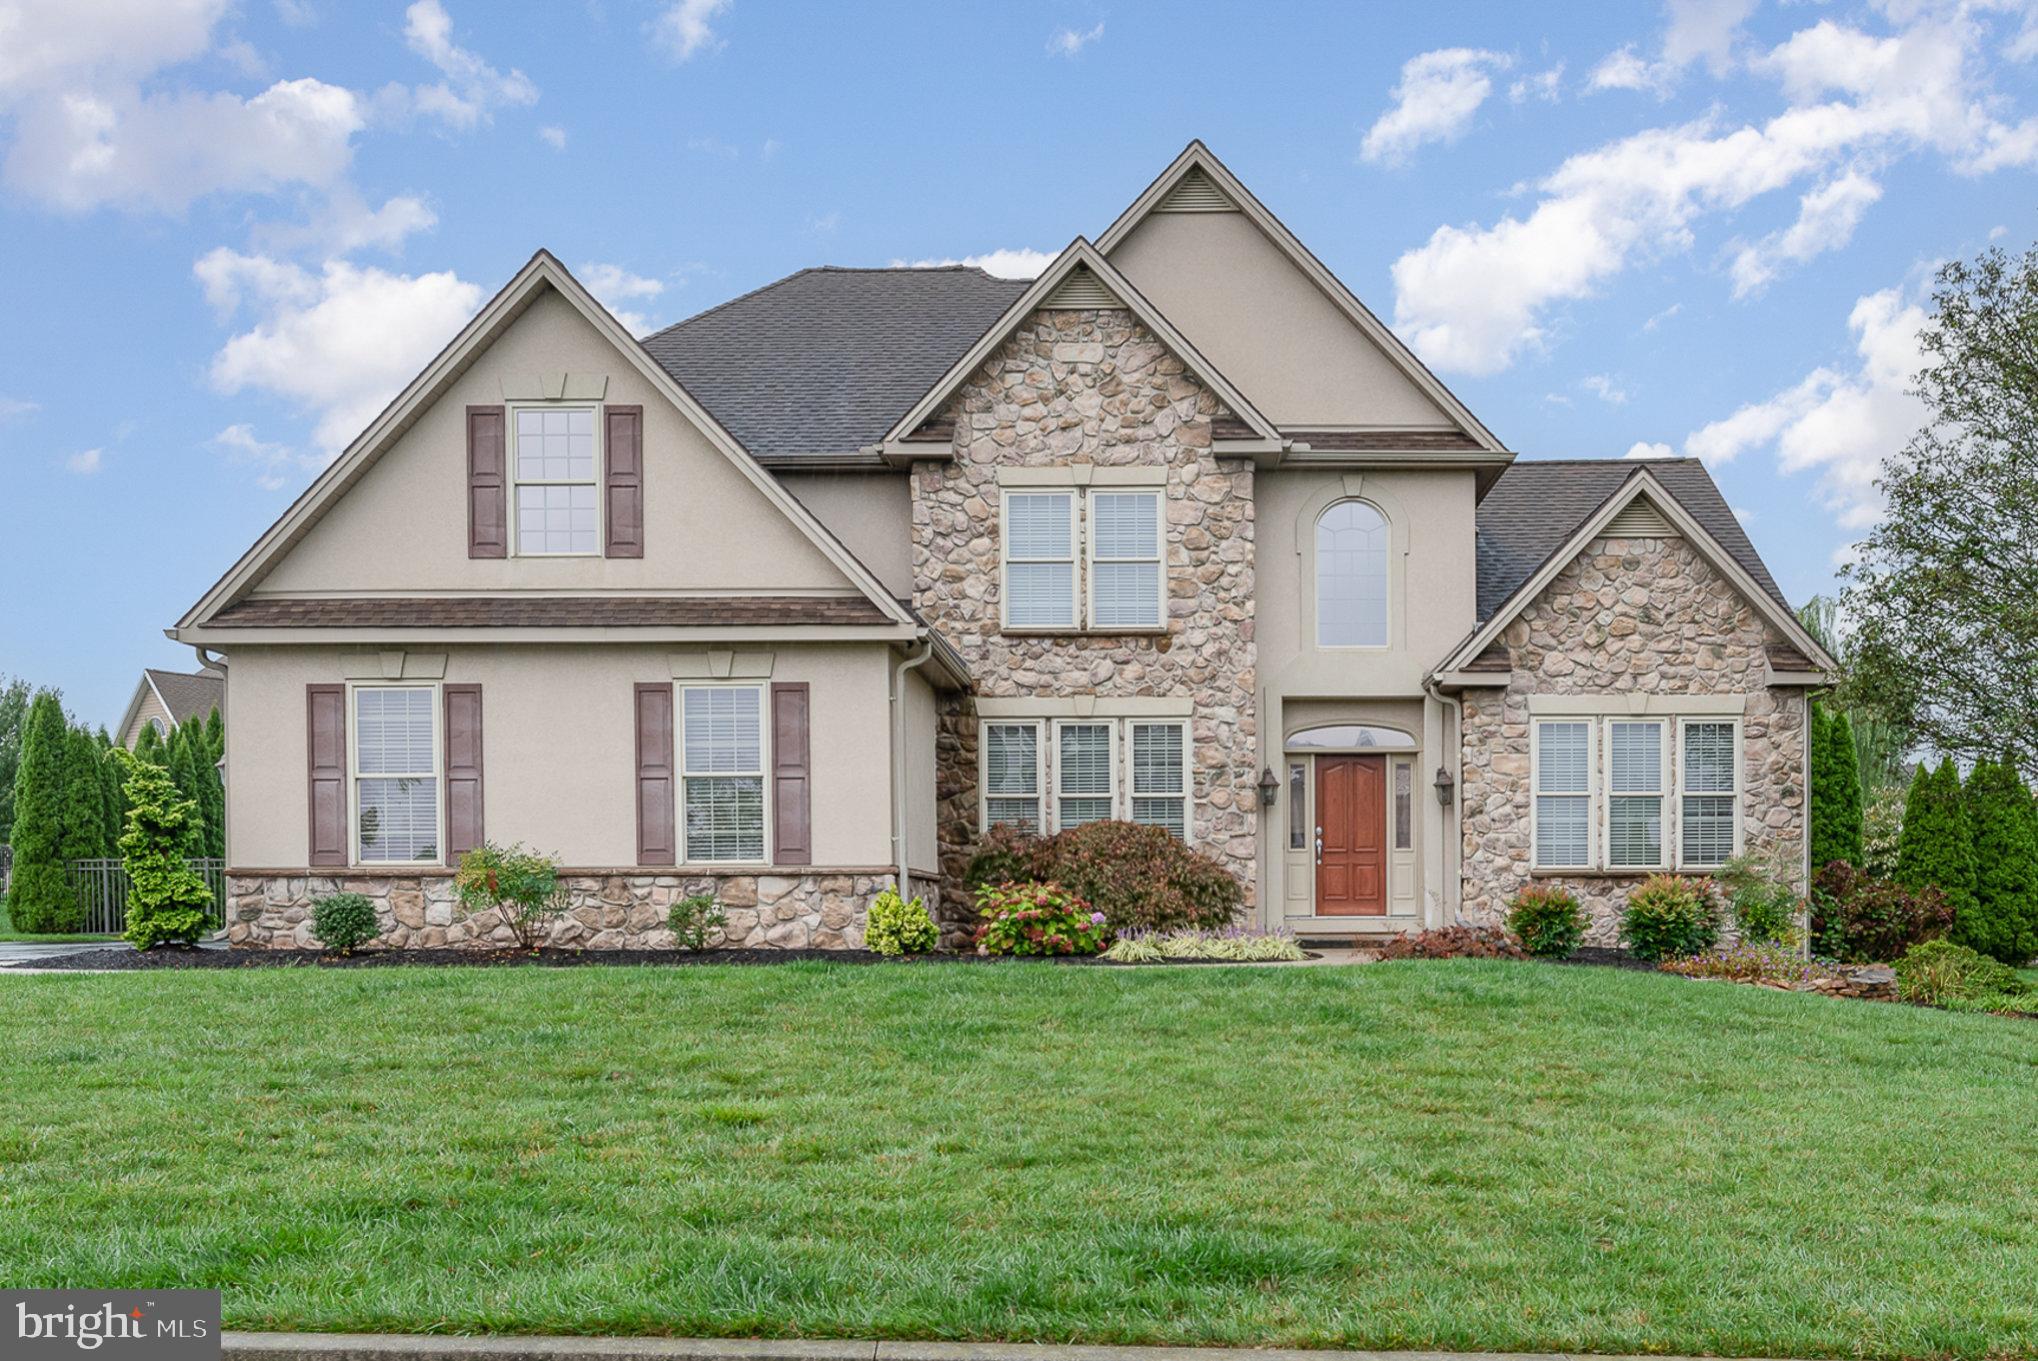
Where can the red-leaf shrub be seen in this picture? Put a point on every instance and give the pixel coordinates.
(1455, 942)
(1862, 919)
(1139, 877)
(1037, 919)
(1549, 921)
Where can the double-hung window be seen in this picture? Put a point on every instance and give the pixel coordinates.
(722, 767)
(1125, 560)
(1563, 794)
(1012, 775)
(1710, 781)
(1040, 559)
(396, 774)
(557, 468)
(1160, 776)
(1634, 794)
(1085, 771)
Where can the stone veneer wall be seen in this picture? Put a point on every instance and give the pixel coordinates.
(1648, 615)
(607, 912)
(1094, 386)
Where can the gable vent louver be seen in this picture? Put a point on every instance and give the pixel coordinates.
(1639, 519)
(1197, 193)
(1081, 288)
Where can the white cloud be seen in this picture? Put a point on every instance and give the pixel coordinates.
(683, 29)
(1066, 42)
(1698, 31)
(1840, 424)
(1545, 86)
(84, 463)
(1644, 450)
(339, 343)
(1434, 101)
(1742, 513)
(617, 288)
(1826, 219)
(825, 224)
(276, 465)
(710, 145)
(296, 13)
(12, 408)
(242, 56)
(553, 136)
(1603, 387)
(1472, 299)
(1622, 70)
(1021, 263)
(472, 89)
(1666, 314)
(46, 46)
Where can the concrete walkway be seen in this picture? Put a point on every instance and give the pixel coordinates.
(377, 1347)
(15, 953)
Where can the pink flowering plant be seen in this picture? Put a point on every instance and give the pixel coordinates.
(1033, 918)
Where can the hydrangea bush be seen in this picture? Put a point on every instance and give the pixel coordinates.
(1034, 918)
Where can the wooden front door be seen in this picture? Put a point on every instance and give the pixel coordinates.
(1351, 836)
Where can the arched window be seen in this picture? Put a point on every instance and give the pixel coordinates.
(1351, 576)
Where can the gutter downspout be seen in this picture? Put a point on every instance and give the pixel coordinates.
(898, 716)
(1454, 841)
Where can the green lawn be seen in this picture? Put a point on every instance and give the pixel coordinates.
(1476, 1155)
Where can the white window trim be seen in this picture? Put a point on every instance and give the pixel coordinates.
(1074, 560)
(1739, 794)
(1159, 560)
(1603, 802)
(1047, 749)
(600, 474)
(1185, 794)
(1316, 580)
(354, 776)
(1592, 854)
(763, 757)
(1114, 765)
(1040, 789)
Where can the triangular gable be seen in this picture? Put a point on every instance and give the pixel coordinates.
(1642, 501)
(1198, 182)
(145, 687)
(1081, 275)
(543, 271)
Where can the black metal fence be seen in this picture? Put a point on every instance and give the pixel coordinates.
(102, 887)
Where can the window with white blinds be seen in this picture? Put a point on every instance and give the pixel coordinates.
(1711, 792)
(1040, 559)
(722, 768)
(396, 774)
(1084, 785)
(1160, 777)
(1634, 799)
(1011, 755)
(1125, 560)
(1563, 797)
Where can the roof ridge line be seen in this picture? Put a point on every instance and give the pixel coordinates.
(731, 302)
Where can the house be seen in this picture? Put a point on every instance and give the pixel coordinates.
(796, 597)
(164, 699)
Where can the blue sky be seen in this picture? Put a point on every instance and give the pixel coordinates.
(233, 230)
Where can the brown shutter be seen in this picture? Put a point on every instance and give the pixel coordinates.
(625, 499)
(657, 825)
(792, 832)
(463, 770)
(326, 741)
(487, 483)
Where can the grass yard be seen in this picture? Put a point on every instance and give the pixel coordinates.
(1473, 1154)
(9, 934)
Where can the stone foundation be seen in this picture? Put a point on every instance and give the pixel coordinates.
(822, 911)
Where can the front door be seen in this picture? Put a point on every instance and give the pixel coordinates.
(1351, 836)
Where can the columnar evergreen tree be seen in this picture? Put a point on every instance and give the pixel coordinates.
(211, 748)
(85, 829)
(167, 900)
(41, 899)
(2004, 923)
(185, 772)
(14, 699)
(215, 736)
(1937, 846)
(1828, 805)
(149, 746)
(1847, 765)
(116, 801)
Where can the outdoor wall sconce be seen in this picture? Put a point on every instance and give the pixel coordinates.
(1446, 786)
(1269, 787)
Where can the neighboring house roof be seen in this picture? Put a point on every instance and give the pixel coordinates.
(823, 361)
(183, 694)
(721, 611)
(1538, 504)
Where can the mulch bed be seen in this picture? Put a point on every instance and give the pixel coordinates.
(173, 958)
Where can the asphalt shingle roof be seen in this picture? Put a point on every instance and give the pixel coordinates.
(824, 361)
(726, 611)
(1538, 504)
(189, 694)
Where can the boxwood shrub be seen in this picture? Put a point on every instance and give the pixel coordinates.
(343, 922)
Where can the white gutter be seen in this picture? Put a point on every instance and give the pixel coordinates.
(898, 716)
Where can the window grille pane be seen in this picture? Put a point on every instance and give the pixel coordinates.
(1564, 758)
(1708, 829)
(1128, 595)
(556, 519)
(1085, 761)
(1023, 814)
(1037, 526)
(1126, 524)
(1157, 758)
(555, 445)
(1162, 813)
(1563, 830)
(1298, 808)
(723, 730)
(1404, 806)
(1634, 830)
(1634, 758)
(1040, 594)
(1708, 758)
(1011, 759)
(1076, 812)
(398, 820)
(725, 817)
(393, 731)
(1351, 576)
